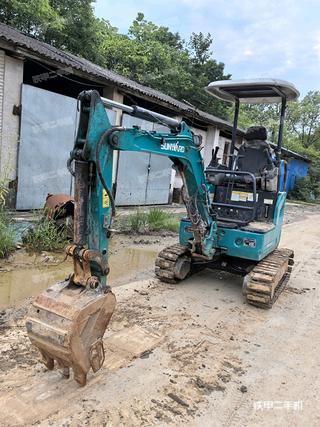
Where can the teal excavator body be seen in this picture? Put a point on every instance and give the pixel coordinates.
(233, 222)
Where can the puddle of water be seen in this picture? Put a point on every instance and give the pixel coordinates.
(20, 228)
(31, 279)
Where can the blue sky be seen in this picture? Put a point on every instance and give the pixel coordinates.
(254, 38)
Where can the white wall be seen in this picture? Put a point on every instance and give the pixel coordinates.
(112, 93)
(212, 140)
(11, 80)
(2, 59)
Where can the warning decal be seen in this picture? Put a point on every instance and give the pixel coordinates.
(105, 199)
(241, 196)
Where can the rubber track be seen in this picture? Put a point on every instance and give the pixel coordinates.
(267, 280)
(166, 261)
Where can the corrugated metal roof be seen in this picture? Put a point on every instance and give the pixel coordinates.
(290, 153)
(41, 49)
(47, 51)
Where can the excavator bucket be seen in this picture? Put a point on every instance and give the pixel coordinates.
(68, 320)
(67, 323)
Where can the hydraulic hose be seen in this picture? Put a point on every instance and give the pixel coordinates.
(104, 136)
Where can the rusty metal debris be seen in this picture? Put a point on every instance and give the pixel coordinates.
(59, 206)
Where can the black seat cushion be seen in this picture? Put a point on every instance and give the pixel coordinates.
(256, 133)
(255, 157)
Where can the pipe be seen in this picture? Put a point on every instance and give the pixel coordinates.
(234, 131)
(141, 113)
(155, 117)
(113, 104)
(281, 126)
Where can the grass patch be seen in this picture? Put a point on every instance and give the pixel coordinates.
(45, 236)
(7, 243)
(154, 220)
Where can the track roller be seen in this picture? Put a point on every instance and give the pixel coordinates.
(173, 264)
(267, 280)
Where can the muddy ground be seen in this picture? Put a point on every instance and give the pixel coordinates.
(193, 354)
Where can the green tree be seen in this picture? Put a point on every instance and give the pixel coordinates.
(33, 17)
(82, 32)
(267, 115)
(156, 57)
(204, 69)
(150, 54)
(301, 134)
(65, 24)
(303, 119)
(144, 31)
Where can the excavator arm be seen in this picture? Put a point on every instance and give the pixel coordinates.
(67, 321)
(95, 145)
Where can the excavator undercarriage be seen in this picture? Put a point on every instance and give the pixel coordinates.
(262, 285)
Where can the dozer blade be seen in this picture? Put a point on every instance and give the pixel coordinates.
(267, 280)
(67, 323)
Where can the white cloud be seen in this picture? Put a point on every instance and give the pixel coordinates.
(254, 38)
(275, 38)
(316, 46)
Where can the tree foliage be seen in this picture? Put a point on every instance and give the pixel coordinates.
(150, 54)
(157, 57)
(301, 134)
(34, 17)
(303, 120)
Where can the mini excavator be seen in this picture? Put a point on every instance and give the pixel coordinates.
(234, 218)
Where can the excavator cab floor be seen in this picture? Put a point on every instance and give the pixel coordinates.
(67, 323)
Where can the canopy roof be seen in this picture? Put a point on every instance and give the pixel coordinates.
(256, 91)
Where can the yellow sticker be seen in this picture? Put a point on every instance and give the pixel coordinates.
(105, 199)
(241, 196)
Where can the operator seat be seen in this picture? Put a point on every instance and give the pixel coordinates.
(255, 155)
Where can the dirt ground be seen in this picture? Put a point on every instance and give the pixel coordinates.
(193, 354)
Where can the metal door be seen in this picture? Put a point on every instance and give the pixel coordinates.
(48, 126)
(159, 177)
(143, 178)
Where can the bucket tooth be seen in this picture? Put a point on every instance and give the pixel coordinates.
(67, 323)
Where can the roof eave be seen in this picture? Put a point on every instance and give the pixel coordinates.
(79, 70)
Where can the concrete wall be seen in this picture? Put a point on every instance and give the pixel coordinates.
(112, 93)
(11, 78)
(10, 95)
(2, 59)
(212, 140)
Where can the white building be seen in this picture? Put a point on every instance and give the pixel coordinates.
(39, 85)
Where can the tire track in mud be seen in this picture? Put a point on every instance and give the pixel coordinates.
(295, 302)
(211, 345)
